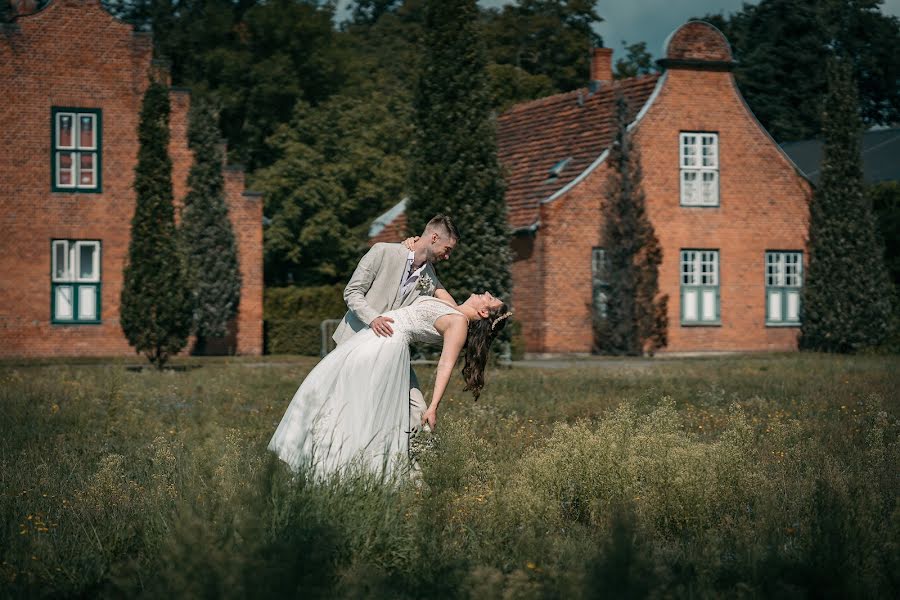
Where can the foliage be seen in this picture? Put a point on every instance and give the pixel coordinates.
(762, 476)
(782, 46)
(638, 61)
(341, 165)
(847, 293)
(636, 315)
(156, 309)
(549, 38)
(454, 166)
(209, 244)
(293, 317)
(318, 302)
(297, 335)
(885, 200)
(257, 58)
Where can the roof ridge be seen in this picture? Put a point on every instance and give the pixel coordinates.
(616, 83)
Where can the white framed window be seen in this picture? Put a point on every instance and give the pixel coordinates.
(600, 281)
(699, 164)
(76, 149)
(75, 281)
(784, 278)
(700, 287)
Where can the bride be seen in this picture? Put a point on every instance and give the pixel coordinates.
(352, 410)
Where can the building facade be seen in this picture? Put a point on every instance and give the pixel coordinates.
(730, 209)
(72, 78)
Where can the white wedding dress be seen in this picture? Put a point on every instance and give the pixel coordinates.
(352, 410)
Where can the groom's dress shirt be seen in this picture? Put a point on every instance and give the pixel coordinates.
(410, 274)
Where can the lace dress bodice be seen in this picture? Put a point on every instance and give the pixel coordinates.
(415, 323)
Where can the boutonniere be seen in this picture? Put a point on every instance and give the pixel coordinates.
(425, 284)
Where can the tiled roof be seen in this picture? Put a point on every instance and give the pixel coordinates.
(880, 150)
(533, 137)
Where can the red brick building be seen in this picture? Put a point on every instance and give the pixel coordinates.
(729, 207)
(72, 79)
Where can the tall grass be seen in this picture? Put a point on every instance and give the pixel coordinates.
(740, 476)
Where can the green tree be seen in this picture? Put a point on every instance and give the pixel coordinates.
(636, 315)
(340, 165)
(455, 169)
(637, 61)
(782, 45)
(847, 292)
(549, 38)
(156, 310)
(208, 240)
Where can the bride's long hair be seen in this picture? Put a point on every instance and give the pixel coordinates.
(478, 345)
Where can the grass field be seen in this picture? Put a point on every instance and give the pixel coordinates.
(737, 476)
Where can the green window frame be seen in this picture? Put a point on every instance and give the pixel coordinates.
(784, 280)
(599, 281)
(700, 303)
(699, 166)
(76, 140)
(75, 282)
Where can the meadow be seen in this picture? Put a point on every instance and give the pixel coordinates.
(734, 476)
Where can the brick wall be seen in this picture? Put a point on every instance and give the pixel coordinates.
(75, 54)
(763, 205)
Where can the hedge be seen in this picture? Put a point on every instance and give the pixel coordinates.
(293, 316)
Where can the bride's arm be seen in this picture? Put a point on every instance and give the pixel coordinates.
(454, 332)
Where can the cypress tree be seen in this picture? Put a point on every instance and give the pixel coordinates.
(847, 293)
(636, 315)
(209, 244)
(454, 167)
(155, 306)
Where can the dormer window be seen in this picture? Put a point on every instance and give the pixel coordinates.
(699, 169)
(76, 149)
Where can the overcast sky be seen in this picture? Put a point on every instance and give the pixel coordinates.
(651, 21)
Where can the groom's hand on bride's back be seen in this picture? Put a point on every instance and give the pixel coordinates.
(382, 326)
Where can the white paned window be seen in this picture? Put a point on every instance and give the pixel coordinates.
(699, 287)
(699, 169)
(600, 281)
(784, 278)
(75, 281)
(76, 149)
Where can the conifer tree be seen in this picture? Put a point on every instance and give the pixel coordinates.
(155, 309)
(847, 292)
(636, 315)
(210, 249)
(455, 170)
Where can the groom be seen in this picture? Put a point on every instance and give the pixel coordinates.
(392, 276)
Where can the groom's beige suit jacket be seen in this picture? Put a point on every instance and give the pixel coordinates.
(374, 288)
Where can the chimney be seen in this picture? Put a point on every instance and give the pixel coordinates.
(601, 68)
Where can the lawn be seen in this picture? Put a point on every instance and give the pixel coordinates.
(749, 476)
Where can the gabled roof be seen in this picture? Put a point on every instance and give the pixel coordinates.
(534, 137)
(880, 151)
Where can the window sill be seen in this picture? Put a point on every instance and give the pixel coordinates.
(56, 190)
(768, 324)
(703, 324)
(52, 322)
(683, 205)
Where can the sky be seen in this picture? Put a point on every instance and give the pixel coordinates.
(650, 21)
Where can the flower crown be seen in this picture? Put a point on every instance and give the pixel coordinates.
(500, 318)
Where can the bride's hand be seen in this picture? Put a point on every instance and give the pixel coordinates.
(408, 242)
(429, 417)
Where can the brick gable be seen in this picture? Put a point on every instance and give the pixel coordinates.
(72, 53)
(762, 199)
